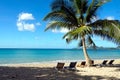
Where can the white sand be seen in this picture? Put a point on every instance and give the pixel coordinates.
(46, 71)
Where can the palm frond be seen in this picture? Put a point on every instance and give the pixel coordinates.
(68, 40)
(81, 31)
(92, 9)
(71, 38)
(80, 43)
(55, 15)
(61, 16)
(64, 5)
(57, 4)
(90, 42)
(70, 14)
(65, 13)
(81, 6)
(107, 29)
(58, 25)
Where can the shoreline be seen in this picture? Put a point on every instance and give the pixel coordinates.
(54, 63)
(95, 59)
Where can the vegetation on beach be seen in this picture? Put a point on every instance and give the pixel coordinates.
(80, 18)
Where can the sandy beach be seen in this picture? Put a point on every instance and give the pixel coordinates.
(47, 71)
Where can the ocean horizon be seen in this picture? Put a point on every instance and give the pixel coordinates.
(33, 55)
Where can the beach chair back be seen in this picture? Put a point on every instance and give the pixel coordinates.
(92, 62)
(111, 62)
(83, 63)
(72, 64)
(60, 66)
(104, 62)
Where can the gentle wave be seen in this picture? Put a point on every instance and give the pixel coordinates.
(11, 56)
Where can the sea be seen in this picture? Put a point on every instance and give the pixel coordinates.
(13, 56)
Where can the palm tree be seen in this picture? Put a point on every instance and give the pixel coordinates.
(78, 16)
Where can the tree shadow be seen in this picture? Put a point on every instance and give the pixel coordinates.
(35, 73)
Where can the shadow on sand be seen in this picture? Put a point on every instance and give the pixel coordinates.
(32, 73)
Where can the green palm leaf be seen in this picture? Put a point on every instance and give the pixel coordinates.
(58, 25)
(92, 9)
(90, 42)
(108, 29)
(81, 31)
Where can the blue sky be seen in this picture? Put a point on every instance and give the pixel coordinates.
(21, 25)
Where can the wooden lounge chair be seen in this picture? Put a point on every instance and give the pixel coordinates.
(92, 62)
(72, 66)
(110, 62)
(92, 65)
(104, 63)
(60, 66)
(82, 64)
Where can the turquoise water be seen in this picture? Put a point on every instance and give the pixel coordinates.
(42, 55)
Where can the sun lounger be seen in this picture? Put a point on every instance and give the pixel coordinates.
(60, 66)
(82, 64)
(110, 62)
(104, 63)
(71, 66)
(92, 63)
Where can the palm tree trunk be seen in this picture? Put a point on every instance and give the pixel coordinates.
(87, 58)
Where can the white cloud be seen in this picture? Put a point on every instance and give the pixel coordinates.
(22, 23)
(25, 26)
(25, 16)
(29, 27)
(62, 30)
(20, 26)
(110, 18)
